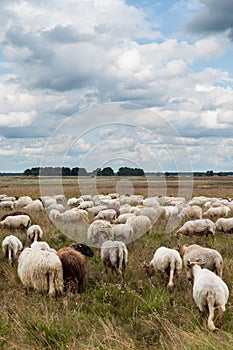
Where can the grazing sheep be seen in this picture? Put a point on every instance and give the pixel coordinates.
(123, 232)
(58, 206)
(40, 245)
(140, 224)
(114, 254)
(23, 201)
(35, 205)
(167, 261)
(11, 246)
(224, 225)
(208, 258)
(99, 231)
(41, 270)
(106, 214)
(74, 266)
(191, 212)
(74, 215)
(16, 222)
(199, 227)
(217, 212)
(7, 205)
(14, 213)
(122, 218)
(152, 213)
(209, 291)
(35, 233)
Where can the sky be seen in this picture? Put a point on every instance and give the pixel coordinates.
(97, 83)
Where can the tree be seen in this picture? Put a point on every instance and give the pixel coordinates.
(27, 172)
(107, 172)
(209, 173)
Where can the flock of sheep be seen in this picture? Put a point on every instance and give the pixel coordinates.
(112, 221)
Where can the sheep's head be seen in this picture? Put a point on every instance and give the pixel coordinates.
(181, 249)
(150, 271)
(178, 234)
(83, 248)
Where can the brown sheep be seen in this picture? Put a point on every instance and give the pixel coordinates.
(74, 266)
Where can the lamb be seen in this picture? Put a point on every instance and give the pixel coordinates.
(114, 254)
(224, 225)
(167, 261)
(208, 258)
(209, 291)
(74, 266)
(99, 231)
(11, 247)
(199, 227)
(41, 270)
(35, 233)
(16, 222)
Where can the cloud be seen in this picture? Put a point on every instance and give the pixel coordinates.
(215, 17)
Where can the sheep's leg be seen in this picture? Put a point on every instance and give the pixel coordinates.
(220, 314)
(172, 269)
(210, 302)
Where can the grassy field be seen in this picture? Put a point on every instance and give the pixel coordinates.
(140, 315)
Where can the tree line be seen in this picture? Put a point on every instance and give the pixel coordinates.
(76, 171)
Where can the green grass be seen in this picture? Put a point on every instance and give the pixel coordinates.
(141, 314)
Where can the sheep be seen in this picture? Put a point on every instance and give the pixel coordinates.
(114, 254)
(7, 205)
(42, 246)
(23, 201)
(106, 214)
(217, 212)
(167, 261)
(41, 270)
(191, 212)
(69, 216)
(122, 218)
(34, 233)
(57, 206)
(99, 231)
(35, 205)
(152, 213)
(208, 258)
(199, 227)
(74, 266)
(16, 222)
(11, 247)
(224, 225)
(14, 213)
(123, 232)
(140, 224)
(209, 291)
(86, 204)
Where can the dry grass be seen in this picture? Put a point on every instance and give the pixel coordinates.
(140, 315)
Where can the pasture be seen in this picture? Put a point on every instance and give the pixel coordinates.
(141, 314)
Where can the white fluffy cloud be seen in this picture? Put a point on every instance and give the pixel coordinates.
(88, 53)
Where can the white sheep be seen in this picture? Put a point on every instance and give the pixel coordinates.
(224, 225)
(35, 233)
(122, 218)
(11, 246)
(7, 205)
(207, 257)
(35, 205)
(23, 201)
(191, 212)
(114, 254)
(123, 232)
(209, 291)
(86, 204)
(99, 231)
(16, 222)
(199, 227)
(41, 270)
(42, 245)
(217, 212)
(140, 224)
(167, 261)
(57, 206)
(152, 213)
(106, 214)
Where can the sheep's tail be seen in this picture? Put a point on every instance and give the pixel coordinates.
(210, 302)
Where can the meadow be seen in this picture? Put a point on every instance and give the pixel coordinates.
(142, 314)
